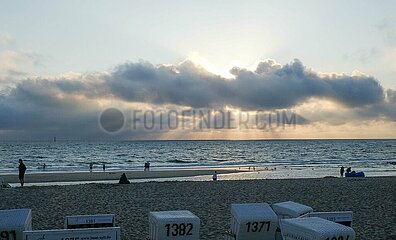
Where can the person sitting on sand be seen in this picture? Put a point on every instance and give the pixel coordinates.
(124, 179)
(348, 170)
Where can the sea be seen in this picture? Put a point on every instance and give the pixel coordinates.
(268, 158)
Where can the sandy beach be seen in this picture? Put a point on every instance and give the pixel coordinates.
(372, 201)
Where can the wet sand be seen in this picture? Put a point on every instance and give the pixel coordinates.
(115, 175)
(372, 201)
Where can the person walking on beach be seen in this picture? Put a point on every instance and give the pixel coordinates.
(104, 167)
(342, 170)
(214, 177)
(91, 166)
(22, 170)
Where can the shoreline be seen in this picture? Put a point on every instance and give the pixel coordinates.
(185, 174)
(71, 177)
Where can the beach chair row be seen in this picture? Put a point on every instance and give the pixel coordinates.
(250, 221)
(288, 221)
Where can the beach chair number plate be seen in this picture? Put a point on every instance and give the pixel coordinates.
(339, 238)
(89, 221)
(179, 229)
(8, 235)
(74, 234)
(258, 226)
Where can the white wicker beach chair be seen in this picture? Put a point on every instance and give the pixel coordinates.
(13, 222)
(290, 209)
(253, 221)
(341, 217)
(314, 228)
(174, 225)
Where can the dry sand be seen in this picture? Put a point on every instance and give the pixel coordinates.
(372, 200)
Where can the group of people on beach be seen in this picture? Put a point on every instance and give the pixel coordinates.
(91, 167)
(146, 166)
(342, 171)
(123, 179)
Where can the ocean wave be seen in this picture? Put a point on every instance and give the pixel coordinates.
(122, 155)
(180, 161)
(219, 160)
(36, 156)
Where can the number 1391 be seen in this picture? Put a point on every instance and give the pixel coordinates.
(8, 235)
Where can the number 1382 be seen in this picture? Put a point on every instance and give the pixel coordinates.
(180, 229)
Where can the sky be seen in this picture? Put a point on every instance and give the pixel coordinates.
(63, 63)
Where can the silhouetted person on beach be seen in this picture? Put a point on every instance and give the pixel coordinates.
(104, 167)
(348, 170)
(146, 166)
(44, 166)
(90, 167)
(22, 170)
(124, 179)
(342, 170)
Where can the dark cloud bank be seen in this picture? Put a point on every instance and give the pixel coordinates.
(270, 86)
(41, 107)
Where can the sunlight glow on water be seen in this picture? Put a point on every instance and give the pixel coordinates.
(305, 154)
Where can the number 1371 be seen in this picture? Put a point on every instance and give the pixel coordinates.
(258, 226)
